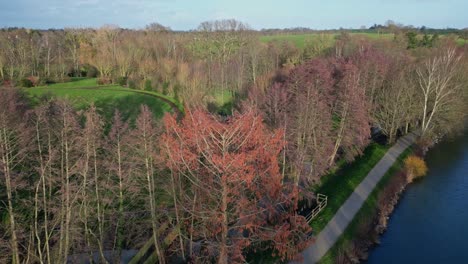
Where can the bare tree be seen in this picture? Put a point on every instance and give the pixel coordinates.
(396, 104)
(68, 138)
(10, 158)
(118, 166)
(351, 110)
(144, 144)
(439, 87)
(221, 39)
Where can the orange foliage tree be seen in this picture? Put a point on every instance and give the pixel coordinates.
(229, 190)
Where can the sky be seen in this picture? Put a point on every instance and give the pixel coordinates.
(188, 14)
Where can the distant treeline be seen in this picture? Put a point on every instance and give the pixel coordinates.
(376, 28)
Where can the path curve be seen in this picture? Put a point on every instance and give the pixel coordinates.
(337, 225)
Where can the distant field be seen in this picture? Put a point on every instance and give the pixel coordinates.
(83, 92)
(328, 39)
(301, 39)
(462, 41)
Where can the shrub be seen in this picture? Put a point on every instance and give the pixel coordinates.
(104, 81)
(165, 88)
(176, 92)
(122, 81)
(415, 168)
(91, 71)
(6, 83)
(49, 81)
(45, 81)
(132, 84)
(35, 80)
(26, 83)
(148, 85)
(65, 79)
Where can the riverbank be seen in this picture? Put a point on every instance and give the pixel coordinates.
(371, 220)
(429, 223)
(336, 227)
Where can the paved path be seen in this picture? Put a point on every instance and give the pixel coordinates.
(337, 225)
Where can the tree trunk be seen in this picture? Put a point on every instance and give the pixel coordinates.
(150, 182)
(223, 254)
(176, 207)
(6, 160)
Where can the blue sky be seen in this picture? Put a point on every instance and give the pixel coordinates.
(185, 14)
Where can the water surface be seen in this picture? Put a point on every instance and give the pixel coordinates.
(430, 224)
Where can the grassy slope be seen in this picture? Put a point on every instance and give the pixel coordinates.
(338, 186)
(367, 210)
(83, 92)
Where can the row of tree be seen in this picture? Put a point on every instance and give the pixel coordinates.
(221, 55)
(200, 189)
(328, 105)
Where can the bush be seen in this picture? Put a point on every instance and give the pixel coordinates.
(35, 80)
(45, 81)
(415, 168)
(65, 79)
(122, 81)
(176, 92)
(26, 83)
(148, 85)
(165, 88)
(6, 83)
(132, 84)
(104, 81)
(89, 71)
(49, 81)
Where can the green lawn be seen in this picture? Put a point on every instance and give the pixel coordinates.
(366, 212)
(299, 39)
(83, 92)
(339, 185)
(77, 82)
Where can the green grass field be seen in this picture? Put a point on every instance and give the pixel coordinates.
(83, 92)
(77, 82)
(367, 211)
(327, 39)
(339, 185)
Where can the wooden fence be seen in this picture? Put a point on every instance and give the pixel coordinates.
(321, 203)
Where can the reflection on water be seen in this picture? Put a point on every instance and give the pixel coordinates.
(430, 224)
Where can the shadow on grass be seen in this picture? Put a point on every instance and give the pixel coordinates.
(76, 79)
(129, 106)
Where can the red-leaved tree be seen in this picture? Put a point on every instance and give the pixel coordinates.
(350, 110)
(233, 196)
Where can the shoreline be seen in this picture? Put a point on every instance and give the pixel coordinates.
(364, 232)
